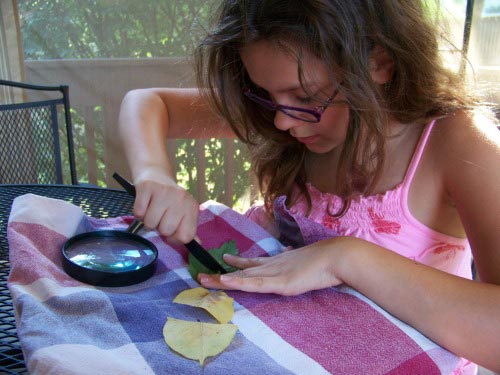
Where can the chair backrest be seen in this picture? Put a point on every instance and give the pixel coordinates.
(30, 149)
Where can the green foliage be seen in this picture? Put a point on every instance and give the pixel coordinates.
(215, 169)
(89, 153)
(85, 29)
(195, 267)
(90, 29)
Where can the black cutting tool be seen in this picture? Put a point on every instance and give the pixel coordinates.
(198, 251)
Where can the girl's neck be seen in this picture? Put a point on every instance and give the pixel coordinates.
(401, 141)
(321, 169)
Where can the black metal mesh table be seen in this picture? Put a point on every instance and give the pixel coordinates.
(96, 202)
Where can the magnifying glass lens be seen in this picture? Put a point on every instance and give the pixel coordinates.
(109, 258)
(110, 254)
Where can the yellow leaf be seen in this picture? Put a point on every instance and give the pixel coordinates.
(219, 304)
(197, 340)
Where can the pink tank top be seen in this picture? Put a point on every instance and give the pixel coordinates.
(383, 219)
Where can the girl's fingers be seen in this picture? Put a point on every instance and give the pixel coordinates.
(210, 281)
(169, 209)
(240, 262)
(141, 203)
(260, 284)
(168, 224)
(186, 230)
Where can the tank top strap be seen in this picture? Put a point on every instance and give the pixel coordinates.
(417, 155)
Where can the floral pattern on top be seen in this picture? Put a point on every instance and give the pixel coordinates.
(380, 225)
(331, 222)
(449, 249)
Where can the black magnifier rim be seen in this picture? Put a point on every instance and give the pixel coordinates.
(105, 278)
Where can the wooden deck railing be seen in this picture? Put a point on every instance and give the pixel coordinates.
(98, 86)
(96, 90)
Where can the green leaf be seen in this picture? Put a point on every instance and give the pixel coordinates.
(195, 267)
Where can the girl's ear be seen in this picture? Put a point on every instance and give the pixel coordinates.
(381, 65)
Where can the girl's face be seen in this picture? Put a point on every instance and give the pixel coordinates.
(276, 71)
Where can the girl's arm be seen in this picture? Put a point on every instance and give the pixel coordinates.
(459, 314)
(147, 118)
(469, 161)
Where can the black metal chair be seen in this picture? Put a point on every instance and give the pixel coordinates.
(30, 147)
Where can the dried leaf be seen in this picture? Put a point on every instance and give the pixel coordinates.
(197, 340)
(195, 267)
(219, 304)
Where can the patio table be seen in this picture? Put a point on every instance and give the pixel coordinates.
(96, 202)
(65, 326)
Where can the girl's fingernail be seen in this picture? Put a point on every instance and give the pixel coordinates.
(202, 278)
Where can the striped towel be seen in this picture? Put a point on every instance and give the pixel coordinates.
(67, 327)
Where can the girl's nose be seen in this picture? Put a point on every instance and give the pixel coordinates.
(284, 122)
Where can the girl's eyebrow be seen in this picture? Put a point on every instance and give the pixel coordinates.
(308, 87)
(283, 89)
(313, 87)
(292, 88)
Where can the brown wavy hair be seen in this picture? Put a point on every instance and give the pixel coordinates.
(342, 34)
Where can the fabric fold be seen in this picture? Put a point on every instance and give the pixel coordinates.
(64, 324)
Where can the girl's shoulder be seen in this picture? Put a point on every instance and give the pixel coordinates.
(464, 134)
(466, 157)
(465, 151)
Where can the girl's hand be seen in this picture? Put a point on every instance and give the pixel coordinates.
(163, 205)
(293, 272)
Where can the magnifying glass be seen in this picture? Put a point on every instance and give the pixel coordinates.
(109, 258)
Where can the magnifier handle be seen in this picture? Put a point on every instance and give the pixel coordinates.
(204, 257)
(135, 226)
(129, 187)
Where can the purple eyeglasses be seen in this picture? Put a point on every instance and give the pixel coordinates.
(303, 114)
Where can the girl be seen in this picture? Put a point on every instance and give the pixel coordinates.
(374, 163)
